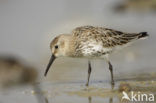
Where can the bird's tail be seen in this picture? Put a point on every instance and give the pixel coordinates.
(143, 35)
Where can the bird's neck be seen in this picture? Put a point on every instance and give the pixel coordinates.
(69, 46)
(73, 45)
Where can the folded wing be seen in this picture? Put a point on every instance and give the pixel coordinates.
(108, 37)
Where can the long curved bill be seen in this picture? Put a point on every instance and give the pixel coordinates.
(49, 64)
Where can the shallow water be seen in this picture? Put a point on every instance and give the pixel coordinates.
(27, 28)
(65, 82)
(99, 91)
(76, 92)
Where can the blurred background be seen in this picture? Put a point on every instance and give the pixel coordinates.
(28, 26)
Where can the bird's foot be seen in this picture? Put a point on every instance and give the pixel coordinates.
(112, 84)
(87, 84)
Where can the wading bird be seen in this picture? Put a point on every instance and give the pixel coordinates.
(91, 42)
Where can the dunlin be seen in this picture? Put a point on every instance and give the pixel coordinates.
(136, 5)
(13, 72)
(91, 42)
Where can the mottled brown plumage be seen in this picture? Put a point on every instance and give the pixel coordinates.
(108, 38)
(91, 42)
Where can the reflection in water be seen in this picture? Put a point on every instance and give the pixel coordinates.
(115, 95)
(46, 100)
(89, 99)
(110, 100)
(39, 95)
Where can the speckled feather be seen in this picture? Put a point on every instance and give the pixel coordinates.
(98, 41)
(89, 41)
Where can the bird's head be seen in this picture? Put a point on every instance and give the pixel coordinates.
(59, 48)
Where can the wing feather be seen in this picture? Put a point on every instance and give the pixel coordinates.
(109, 37)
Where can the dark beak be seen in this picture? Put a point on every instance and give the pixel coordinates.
(50, 62)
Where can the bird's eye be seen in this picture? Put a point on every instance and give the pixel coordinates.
(56, 47)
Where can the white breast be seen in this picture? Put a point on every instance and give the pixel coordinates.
(93, 49)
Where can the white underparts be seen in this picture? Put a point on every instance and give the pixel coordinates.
(93, 49)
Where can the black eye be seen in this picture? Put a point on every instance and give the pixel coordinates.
(56, 46)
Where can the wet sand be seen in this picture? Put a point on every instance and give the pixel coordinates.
(99, 92)
(77, 92)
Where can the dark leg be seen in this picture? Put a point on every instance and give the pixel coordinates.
(89, 72)
(111, 70)
(89, 99)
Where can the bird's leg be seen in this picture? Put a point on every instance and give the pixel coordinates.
(111, 71)
(89, 72)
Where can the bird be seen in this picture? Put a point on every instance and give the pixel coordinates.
(13, 72)
(136, 5)
(91, 42)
